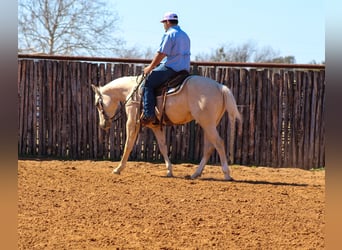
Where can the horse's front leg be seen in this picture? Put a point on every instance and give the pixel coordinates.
(132, 130)
(160, 136)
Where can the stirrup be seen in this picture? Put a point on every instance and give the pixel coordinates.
(144, 120)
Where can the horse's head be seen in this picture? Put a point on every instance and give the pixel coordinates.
(105, 106)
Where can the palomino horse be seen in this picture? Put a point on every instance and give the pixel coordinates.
(201, 99)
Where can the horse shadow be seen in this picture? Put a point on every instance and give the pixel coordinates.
(276, 183)
(252, 182)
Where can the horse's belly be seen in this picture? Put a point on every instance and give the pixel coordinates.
(176, 110)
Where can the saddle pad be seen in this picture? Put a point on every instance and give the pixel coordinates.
(173, 84)
(174, 90)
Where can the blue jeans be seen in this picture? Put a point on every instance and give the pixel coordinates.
(157, 77)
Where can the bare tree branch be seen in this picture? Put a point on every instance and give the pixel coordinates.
(246, 52)
(68, 27)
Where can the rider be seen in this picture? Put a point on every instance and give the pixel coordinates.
(172, 56)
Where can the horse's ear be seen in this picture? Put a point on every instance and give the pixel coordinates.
(94, 88)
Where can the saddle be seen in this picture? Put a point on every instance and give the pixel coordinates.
(173, 84)
(170, 86)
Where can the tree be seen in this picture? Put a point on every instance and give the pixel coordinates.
(246, 52)
(315, 62)
(229, 53)
(135, 52)
(67, 27)
(265, 54)
(284, 59)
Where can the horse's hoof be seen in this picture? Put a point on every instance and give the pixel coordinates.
(116, 172)
(229, 179)
(193, 177)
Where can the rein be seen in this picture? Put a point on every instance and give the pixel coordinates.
(117, 115)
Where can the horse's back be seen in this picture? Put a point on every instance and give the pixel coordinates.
(200, 87)
(203, 83)
(201, 98)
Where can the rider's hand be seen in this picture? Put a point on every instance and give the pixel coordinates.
(147, 70)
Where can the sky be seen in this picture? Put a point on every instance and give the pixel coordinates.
(289, 27)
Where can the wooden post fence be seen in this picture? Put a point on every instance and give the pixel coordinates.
(282, 110)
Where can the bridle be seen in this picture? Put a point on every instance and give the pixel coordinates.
(99, 105)
(117, 115)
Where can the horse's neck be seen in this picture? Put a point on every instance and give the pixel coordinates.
(119, 89)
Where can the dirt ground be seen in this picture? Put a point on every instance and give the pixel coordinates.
(81, 205)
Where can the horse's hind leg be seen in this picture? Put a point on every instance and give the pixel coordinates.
(218, 143)
(207, 151)
(160, 136)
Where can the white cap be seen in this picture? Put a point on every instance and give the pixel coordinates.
(169, 16)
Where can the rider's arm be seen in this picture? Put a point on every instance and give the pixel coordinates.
(156, 60)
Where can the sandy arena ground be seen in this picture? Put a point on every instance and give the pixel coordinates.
(81, 205)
